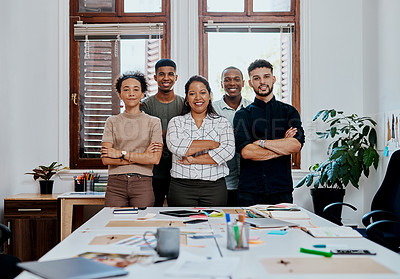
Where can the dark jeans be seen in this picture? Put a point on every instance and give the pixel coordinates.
(160, 189)
(232, 198)
(248, 199)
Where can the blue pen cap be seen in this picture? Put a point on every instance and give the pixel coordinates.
(227, 217)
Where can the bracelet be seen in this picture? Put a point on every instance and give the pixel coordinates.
(262, 143)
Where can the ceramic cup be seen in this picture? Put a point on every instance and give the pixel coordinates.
(168, 241)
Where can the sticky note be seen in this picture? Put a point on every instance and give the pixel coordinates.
(278, 232)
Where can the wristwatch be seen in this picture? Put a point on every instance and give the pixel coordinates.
(123, 154)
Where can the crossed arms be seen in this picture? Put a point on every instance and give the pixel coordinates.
(272, 148)
(214, 151)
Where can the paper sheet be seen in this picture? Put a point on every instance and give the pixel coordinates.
(322, 265)
(324, 232)
(195, 267)
(109, 239)
(145, 223)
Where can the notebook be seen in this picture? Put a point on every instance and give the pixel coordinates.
(268, 223)
(72, 268)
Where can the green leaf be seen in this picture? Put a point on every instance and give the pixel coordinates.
(321, 134)
(353, 181)
(333, 132)
(365, 130)
(334, 121)
(317, 182)
(317, 115)
(333, 113)
(309, 180)
(336, 153)
(372, 137)
(345, 179)
(366, 172)
(301, 182)
(325, 115)
(368, 157)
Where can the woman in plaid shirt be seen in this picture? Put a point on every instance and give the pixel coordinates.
(201, 142)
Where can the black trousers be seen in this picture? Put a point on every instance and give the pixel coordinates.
(194, 192)
(160, 189)
(249, 199)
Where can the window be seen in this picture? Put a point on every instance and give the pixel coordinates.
(109, 37)
(236, 32)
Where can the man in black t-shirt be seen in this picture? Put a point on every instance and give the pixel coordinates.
(267, 132)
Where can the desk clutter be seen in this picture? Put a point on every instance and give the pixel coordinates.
(221, 242)
(90, 182)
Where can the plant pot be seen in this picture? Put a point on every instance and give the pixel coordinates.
(321, 197)
(46, 186)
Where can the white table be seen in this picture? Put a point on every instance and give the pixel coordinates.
(275, 246)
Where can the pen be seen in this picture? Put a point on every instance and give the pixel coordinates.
(316, 252)
(227, 217)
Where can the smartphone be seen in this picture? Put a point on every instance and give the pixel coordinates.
(352, 252)
(195, 221)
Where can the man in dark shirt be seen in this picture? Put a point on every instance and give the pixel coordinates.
(267, 132)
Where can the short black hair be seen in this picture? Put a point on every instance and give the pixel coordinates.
(135, 75)
(165, 62)
(231, 68)
(186, 107)
(260, 63)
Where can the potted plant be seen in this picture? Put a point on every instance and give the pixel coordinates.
(46, 173)
(350, 155)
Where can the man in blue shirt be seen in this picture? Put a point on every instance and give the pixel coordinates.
(267, 132)
(232, 82)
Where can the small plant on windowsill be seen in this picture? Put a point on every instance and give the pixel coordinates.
(350, 155)
(45, 173)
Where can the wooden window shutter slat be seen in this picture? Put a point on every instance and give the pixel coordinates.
(98, 99)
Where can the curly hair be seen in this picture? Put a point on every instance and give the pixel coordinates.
(136, 75)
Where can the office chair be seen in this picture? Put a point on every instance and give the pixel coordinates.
(8, 263)
(383, 222)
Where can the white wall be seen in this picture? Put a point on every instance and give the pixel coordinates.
(348, 62)
(381, 40)
(29, 91)
(332, 77)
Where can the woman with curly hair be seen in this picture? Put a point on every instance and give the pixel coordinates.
(131, 146)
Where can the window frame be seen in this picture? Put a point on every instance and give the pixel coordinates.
(248, 16)
(103, 17)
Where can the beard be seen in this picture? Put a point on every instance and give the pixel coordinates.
(266, 93)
